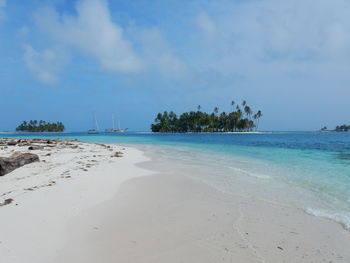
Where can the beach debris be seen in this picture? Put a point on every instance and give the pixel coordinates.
(51, 183)
(12, 143)
(6, 202)
(16, 160)
(35, 147)
(118, 154)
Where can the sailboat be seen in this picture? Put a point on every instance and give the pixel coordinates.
(120, 130)
(114, 130)
(111, 130)
(95, 126)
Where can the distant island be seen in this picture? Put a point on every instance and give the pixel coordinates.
(237, 120)
(40, 126)
(342, 128)
(339, 128)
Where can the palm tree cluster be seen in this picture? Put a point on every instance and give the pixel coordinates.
(342, 128)
(197, 121)
(40, 126)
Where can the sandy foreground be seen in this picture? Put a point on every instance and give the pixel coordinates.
(80, 204)
(50, 193)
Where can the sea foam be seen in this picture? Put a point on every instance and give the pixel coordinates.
(260, 176)
(341, 217)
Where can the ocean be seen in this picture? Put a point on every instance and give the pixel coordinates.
(305, 170)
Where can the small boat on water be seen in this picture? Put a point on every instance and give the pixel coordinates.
(113, 129)
(95, 129)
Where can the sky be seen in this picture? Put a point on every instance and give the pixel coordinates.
(62, 60)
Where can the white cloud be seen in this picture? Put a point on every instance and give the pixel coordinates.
(206, 24)
(44, 65)
(270, 37)
(159, 56)
(93, 33)
(300, 29)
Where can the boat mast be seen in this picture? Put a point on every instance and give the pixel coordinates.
(113, 122)
(95, 122)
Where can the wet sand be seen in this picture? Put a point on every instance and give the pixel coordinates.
(172, 218)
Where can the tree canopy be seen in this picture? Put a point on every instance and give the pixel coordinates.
(342, 128)
(40, 126)
(198, 121)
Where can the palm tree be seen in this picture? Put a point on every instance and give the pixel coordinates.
(232, 104)
(195, 121)
(248, 111)
(258, 115)
(255, 117)
(216, 110)
(244, 103)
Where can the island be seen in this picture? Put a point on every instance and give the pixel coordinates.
(238, 120)
(339, 128)
(342, 128)
(40, 126)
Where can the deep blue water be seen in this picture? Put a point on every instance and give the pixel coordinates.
(316, 163)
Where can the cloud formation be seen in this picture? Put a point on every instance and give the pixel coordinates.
(44, 65)
(93, 33)
(158, 55)
(206, 24)
(265, 39)
(297, 30)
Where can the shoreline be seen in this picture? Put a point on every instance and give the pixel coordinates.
(26, 133)
(173, 218)
(242, 132)
(149, 216)
(48, 194)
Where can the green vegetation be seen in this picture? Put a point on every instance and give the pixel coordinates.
(198, 121)
(342, 128)
(40, 126)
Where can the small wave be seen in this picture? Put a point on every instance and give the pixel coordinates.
(260, 176)
(341, 217)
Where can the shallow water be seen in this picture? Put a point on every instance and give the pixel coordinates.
(307, 170)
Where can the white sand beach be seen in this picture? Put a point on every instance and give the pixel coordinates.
(80, 204)
(50, 193)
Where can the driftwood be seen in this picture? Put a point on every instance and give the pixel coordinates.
(8, 164)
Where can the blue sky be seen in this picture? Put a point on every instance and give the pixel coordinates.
(64, 59)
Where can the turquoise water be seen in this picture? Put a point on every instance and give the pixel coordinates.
(307, 170)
